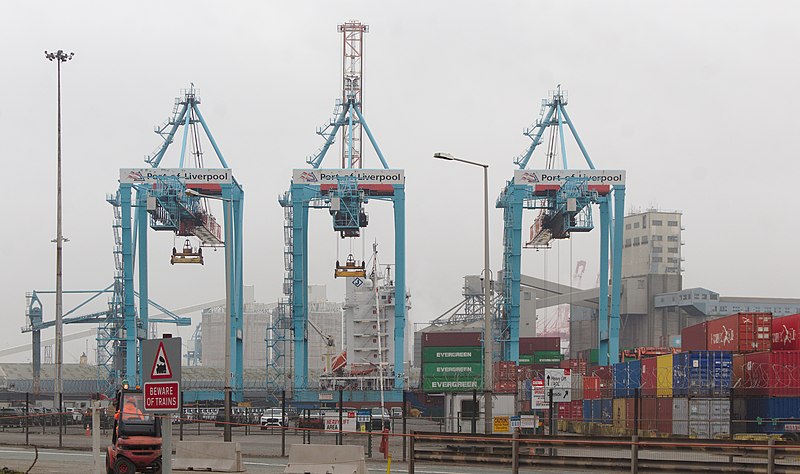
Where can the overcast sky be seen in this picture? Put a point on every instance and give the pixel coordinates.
(696, 100)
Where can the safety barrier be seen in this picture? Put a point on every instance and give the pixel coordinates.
(323, 458)
(613, 454)
(216, 456)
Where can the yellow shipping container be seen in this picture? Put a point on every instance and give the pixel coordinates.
(619, 416)
(664, 376)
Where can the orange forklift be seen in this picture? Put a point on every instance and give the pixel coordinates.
(136, 438)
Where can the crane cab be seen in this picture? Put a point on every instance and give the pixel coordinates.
(350, 268)
(187, 255)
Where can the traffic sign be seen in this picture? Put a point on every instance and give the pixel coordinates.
(560, 381)
(515, 422)
(161, 360)
(162, 396)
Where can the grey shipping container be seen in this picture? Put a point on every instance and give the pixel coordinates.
(701, 418)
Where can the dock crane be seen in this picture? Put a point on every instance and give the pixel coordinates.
(175, 200)
(344, 192)
(564, 198)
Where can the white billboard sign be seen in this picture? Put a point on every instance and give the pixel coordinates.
(186, 175)
(559, 177)
(348, 422)
(560, 381)
(364, 176)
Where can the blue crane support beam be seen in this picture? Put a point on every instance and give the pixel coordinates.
(400, 284)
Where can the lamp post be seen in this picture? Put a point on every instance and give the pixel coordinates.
(227, 436)
(59, 57)
(487, 305)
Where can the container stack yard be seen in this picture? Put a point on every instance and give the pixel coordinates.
(734, 376)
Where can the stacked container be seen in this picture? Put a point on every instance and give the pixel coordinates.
(784, 333)
(703, 418)
(537, 354)
(505, 377)
(740, 332)
(664, 376)
(452, 362)
(702, 374)
(695, 338)
(768, 374)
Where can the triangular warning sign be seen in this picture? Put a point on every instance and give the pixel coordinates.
(161, 367)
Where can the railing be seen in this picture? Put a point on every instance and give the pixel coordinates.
(606, 454)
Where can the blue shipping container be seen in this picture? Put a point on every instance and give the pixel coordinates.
(587, 412)
(606, 411)
(627, 378)
(772, 415)
(634, 377)
(702, 374)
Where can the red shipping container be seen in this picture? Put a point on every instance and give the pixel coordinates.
(648, 414)
(737, 377)
(664, 415)
(563, 411)
(452, 339)
(505, 387)
(649, 380)
(504, 372)
(529, 345)
(629, 412)
(784, 333)
(591, 387)
(577, 365)
(603, 371)
(771, 374)
(694, 338)
(576, 410)
(741, 332)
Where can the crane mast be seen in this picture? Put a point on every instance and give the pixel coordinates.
(352, 79)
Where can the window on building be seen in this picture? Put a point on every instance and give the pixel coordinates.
(640, 284)
(658, 238)
(656, 222)
(713, 296)
(644, 221)
(644, 240)
(627, 242)
(672, 250)
(657, 259)
(635, 225)
(627, 226)
(672, 260)
(657, 250)
(672, 238)
(636, 241)
(672, 223)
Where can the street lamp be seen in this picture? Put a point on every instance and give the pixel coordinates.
(487, 311)
(59, 57)
(228, 256)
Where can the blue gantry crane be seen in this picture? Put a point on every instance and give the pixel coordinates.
(344, 192)
(176, 200)
(564, 198)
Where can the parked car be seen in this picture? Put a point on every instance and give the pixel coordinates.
(397, 412)
(380, 419)
(273, 417)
